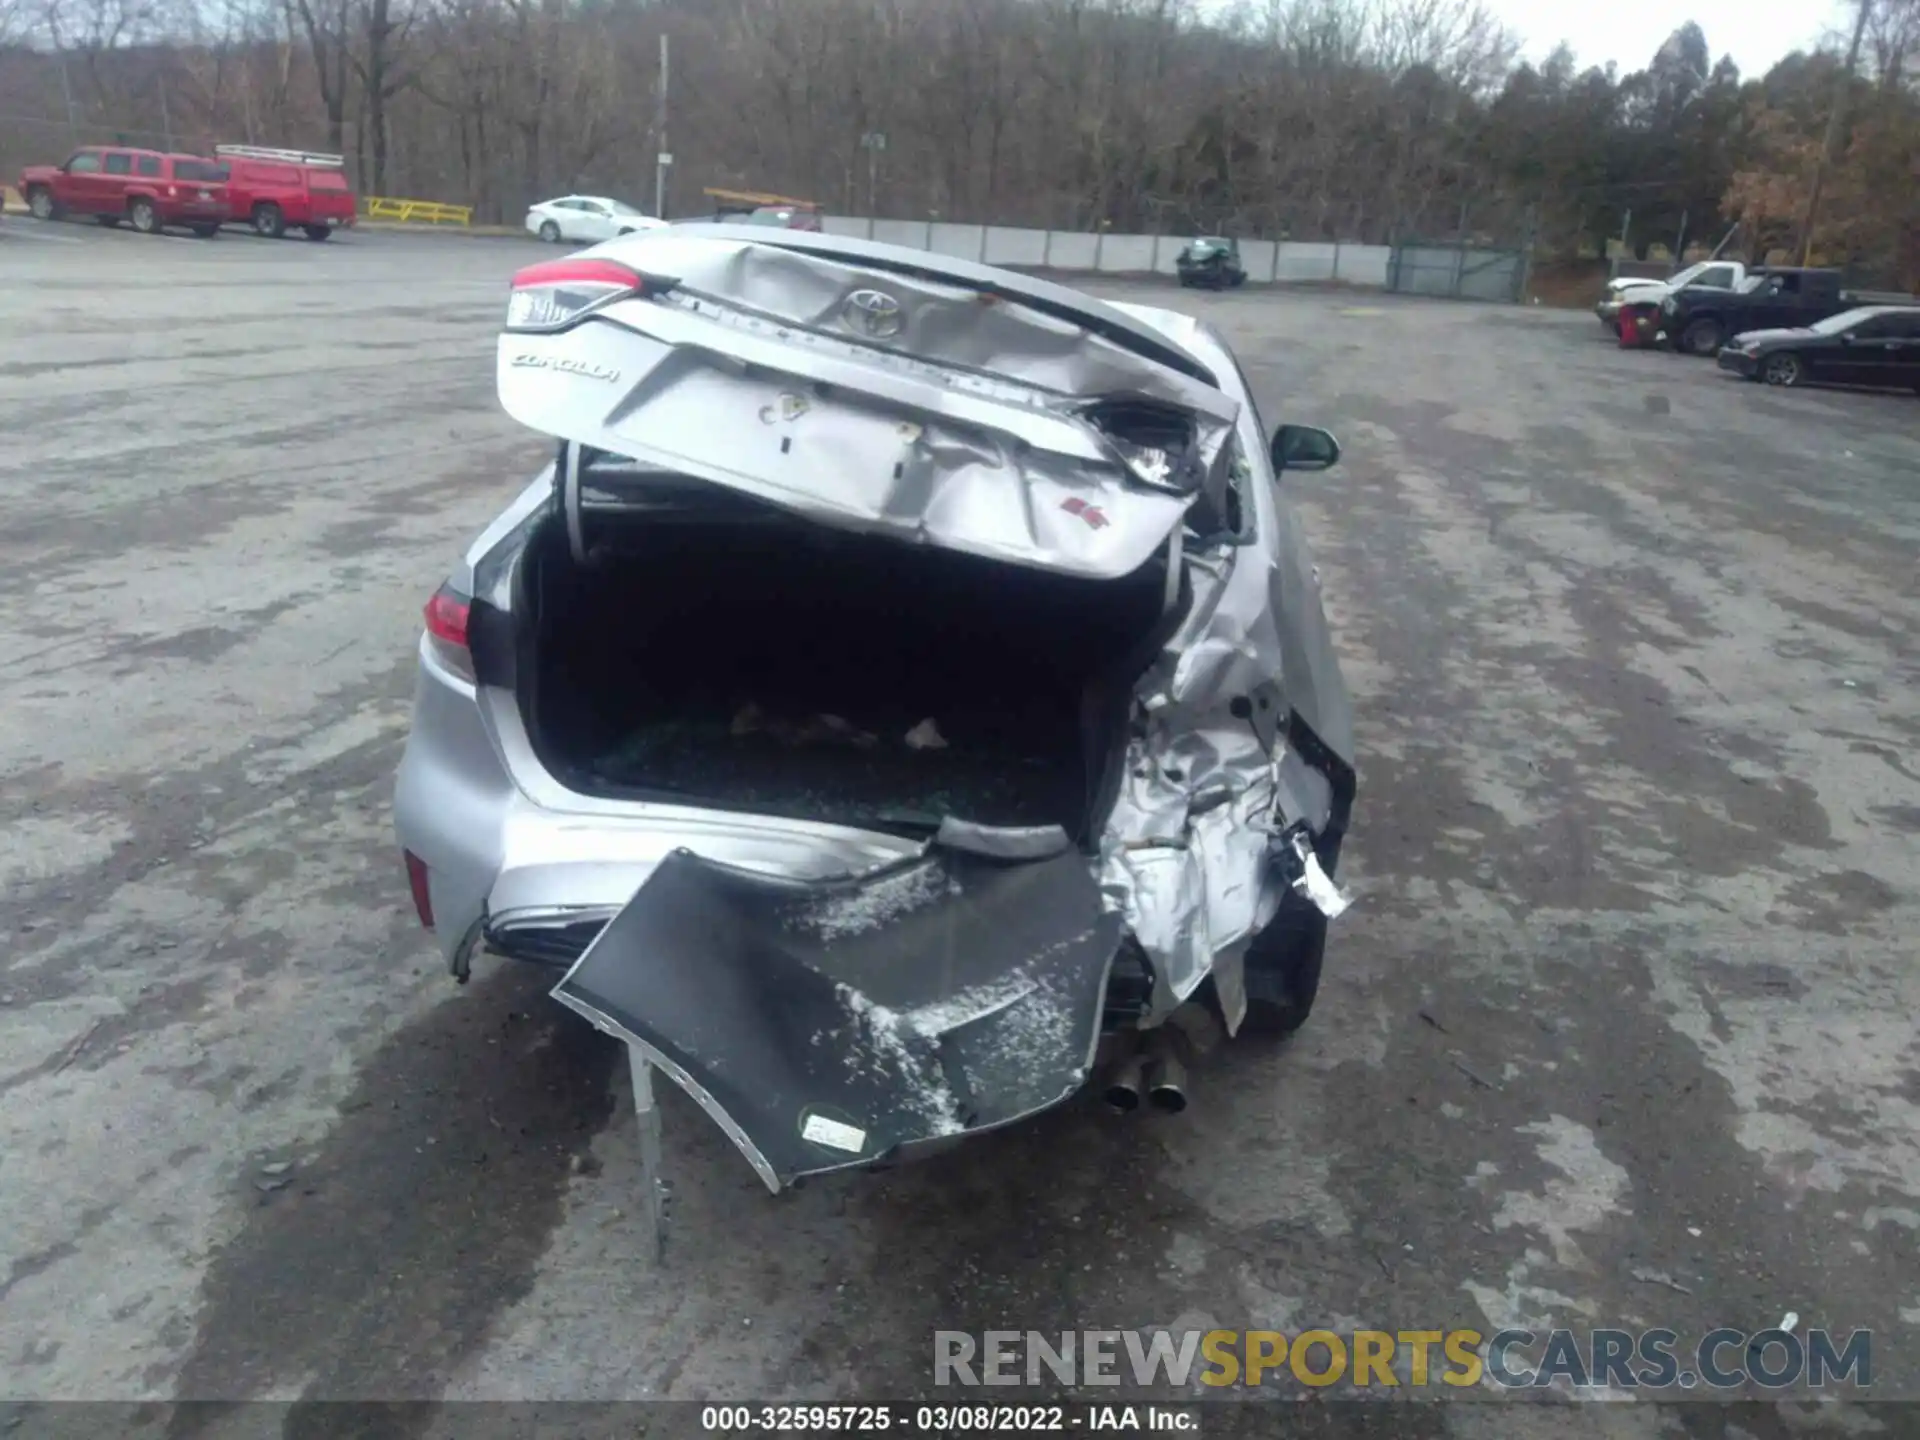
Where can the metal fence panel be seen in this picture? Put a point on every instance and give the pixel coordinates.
(1257, 258)
(1301, 260)
(1426, 270)
(1127, 254)
(1420, 269)
(964, 242)
(1457, 272)
(1070, 250)
(1009, 246)
(1363, 264)
(901, 232)
(1490, 275)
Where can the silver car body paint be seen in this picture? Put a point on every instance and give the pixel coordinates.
(962, 428)
(939, 416)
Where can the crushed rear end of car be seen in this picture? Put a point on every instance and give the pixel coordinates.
(876, 703)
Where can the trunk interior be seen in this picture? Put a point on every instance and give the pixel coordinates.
(720, 653)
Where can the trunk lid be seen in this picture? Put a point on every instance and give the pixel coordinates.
(877, 388)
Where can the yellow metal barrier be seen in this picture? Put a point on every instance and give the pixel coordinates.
(410, 212)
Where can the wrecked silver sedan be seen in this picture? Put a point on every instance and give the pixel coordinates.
(906, 673)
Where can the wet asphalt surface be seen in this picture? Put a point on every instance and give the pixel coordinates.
(1619, 1033)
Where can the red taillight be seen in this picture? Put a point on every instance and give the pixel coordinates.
(447, 615)
(555, 293)
(417, 882)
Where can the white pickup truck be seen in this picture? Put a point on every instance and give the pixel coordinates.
(1637, 290)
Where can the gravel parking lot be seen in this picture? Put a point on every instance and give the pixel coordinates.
(1620, 1031)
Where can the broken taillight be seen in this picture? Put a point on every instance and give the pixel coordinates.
(555, 293)
(447, 615)
(417, 882)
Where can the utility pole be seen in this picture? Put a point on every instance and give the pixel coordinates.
(873, 142)
(664, 157)
(166, 120)
(1836, 132)
(66, 93)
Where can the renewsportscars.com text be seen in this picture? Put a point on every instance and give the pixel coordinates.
(1657, 1359)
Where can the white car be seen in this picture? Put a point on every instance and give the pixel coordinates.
(1642, 290)
(586, 218)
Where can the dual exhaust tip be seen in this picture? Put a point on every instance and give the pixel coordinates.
(1152, 1075)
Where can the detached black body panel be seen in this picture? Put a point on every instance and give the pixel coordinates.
(833, 1023)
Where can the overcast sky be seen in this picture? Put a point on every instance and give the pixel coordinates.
(1755, 32)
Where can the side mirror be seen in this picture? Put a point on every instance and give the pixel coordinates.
(1304, 447)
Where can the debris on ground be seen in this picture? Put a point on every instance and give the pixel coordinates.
(278, 1167)
(926, 736)
(73, 1050)
(1478, 1079)
(1660, 1277)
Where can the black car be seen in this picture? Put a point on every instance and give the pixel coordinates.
(1211, 262)
(1874, 345)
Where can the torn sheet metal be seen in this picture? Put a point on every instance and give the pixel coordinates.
(1210, 780)
(1313, 882)
(834, 1023)
(970, 421)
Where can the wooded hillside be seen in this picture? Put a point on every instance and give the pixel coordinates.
(1310, 119)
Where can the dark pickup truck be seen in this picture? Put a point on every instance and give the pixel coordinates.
(1699, 319)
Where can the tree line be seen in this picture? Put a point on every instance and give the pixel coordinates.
(1361, 120)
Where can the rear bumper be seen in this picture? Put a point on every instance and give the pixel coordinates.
(848, 1022)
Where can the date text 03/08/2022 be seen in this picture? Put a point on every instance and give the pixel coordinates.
(941, 1419)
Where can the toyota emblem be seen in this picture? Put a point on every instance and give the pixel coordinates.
(872, 313)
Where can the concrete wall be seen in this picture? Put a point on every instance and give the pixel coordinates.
(1266, 261)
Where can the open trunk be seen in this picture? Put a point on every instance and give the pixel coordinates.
(715, 651)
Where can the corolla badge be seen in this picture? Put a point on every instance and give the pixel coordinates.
(527, 360)
(872, 313)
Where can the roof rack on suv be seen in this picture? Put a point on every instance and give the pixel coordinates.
(286, 157)
(753, 200)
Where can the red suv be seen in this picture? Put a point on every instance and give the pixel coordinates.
(278, 190)
(146, 188)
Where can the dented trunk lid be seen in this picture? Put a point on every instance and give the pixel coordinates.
(878, 388)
